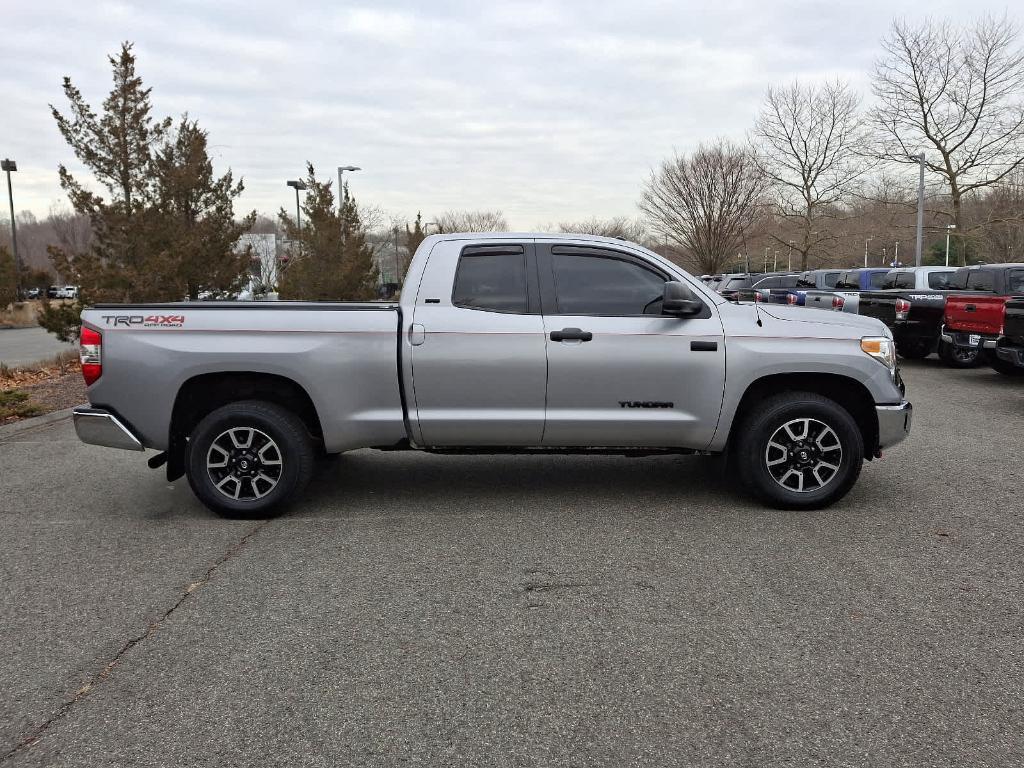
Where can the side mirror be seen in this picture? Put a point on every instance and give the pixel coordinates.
(678, 300)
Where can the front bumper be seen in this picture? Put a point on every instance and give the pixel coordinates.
(893, 423)
(99, 427)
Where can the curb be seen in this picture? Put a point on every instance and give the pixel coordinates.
(27, 425)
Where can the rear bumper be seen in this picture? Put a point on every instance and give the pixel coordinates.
(893, 423)
(99, 427)
(961, 339)
(1010, 354)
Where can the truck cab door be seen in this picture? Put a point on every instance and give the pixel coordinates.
(619, 372)
(477, 346)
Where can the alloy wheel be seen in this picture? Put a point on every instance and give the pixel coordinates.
(804, 455)
(244, 463)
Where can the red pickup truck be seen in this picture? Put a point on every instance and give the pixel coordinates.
(973, 322)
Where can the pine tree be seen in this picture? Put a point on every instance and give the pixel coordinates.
(165, 228)
(331, 259)
(8, 281)
(197, 212)
(413, 238)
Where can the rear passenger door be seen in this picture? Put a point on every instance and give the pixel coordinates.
(619, 372)
(477, 346)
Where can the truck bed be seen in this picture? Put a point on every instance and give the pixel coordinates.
(345, 356)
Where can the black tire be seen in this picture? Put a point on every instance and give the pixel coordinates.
(916, 350)
(269, 472)
(958, 357)
(753, 452)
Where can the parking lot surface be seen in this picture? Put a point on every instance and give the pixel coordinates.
(23, 346)
(418, 609)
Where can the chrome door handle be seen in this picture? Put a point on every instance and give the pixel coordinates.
(417, 334)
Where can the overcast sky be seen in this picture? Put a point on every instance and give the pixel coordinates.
(547, 111)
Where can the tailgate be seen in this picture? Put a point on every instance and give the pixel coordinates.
(1013, 322)
(975, 314)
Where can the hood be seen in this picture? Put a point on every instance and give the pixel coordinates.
(861, 326)
(800, 321)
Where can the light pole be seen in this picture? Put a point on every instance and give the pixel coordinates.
(341, 189)
(7, 166)
(948, 227)
(920, 211)
(298, 185)
(866, 251)
(896, 258)
(789, 266)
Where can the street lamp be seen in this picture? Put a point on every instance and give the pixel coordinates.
(341, 189)
(298, 185)
(7, 166)
(866, 251)
(948, 227)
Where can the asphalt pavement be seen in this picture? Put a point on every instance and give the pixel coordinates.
(23, 346)
(521, 611)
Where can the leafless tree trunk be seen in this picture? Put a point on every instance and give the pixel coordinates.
(955, 93)
(808, 142)
(706, 203)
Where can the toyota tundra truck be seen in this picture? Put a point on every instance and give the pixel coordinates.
(1008, 355)
(501, 343)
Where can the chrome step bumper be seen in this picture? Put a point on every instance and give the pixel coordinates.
(893, 423)
(99, 427)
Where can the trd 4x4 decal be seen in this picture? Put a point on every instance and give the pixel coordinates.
(645, 404)
(145, 321)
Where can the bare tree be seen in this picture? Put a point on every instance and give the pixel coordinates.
(706, 203)
(619, 227)
(955, 93)
(472, 221)
(72, 230)
(808, 142)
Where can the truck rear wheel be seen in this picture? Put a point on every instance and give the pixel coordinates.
(918, 349)
(248, 459)
(958, 357)
(799, 450)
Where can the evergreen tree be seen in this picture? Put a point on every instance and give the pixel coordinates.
(331, 259)
(8, 282)
(413, 238)
(197, 213)
(165, 228)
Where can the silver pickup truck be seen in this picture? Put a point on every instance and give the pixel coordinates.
(501, 343)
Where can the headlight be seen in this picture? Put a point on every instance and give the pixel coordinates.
(880, 348)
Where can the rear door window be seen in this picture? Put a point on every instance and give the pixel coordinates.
(1015, 281)
(876, 280)
(981, 280)
(768, 282)
(492, 278)
(905, 280)
(939, 280)
(830, 279)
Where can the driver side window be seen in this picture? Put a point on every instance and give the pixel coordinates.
(605, 285)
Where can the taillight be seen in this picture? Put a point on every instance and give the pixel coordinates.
(837, 303)
(902, 309)
(90, 352)
(757, 296)
(791, 298)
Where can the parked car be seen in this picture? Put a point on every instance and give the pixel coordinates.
(33, 293)
(732, 283)
(62, 292)
(503, 343)
(973, 323)
(848, 286)
(1008, 354)
(812, 280)
(915, 315)
(770, 289)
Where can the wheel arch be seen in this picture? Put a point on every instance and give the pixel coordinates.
(204, 393)
(849, 393)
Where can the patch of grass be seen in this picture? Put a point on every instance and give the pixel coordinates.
(15, 404)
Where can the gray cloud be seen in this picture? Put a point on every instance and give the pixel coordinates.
(547, 111)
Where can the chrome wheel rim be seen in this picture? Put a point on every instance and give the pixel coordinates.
(244, 463)
(804, 455)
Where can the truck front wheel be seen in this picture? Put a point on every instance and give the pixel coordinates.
(799, 450)
(247, 459)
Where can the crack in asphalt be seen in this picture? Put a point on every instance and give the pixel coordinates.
(35, 733)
